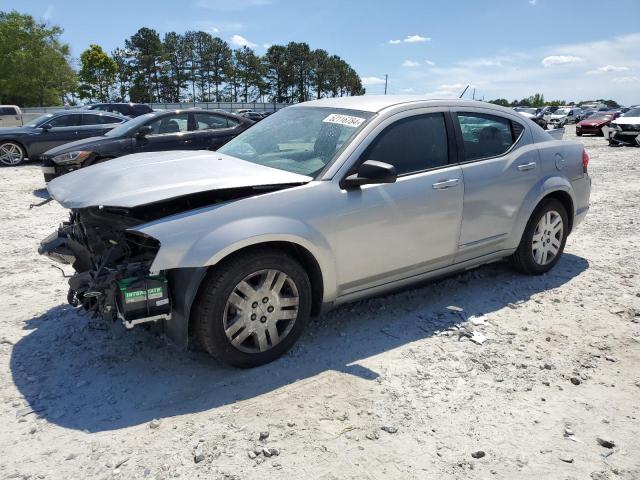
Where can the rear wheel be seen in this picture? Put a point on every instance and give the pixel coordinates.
(252, 308)
(11, 153)
(543, 239)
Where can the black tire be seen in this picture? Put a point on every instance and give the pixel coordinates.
(209, 307)
(523, 258)
(14, 146)
(579, 134)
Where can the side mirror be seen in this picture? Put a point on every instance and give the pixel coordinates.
(370, 172)
(144, 131)
(46, 127)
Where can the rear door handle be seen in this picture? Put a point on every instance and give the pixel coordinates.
(446, 184)
(527, 166)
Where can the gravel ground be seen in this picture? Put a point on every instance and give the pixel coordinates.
(392, 387)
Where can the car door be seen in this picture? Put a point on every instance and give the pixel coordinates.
(386, 232)
(95, 124)
(169, 132)
(212, 130)
(58, 130)
(500, 166)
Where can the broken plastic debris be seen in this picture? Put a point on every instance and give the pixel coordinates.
(478, 338)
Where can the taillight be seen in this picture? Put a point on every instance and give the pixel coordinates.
(585, 161)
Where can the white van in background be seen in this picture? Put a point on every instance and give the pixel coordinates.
(10, 116)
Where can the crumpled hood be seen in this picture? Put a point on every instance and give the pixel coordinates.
(557, 117)
(145, 178)
(84, 144)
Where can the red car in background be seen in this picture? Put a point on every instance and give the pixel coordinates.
(593, 125)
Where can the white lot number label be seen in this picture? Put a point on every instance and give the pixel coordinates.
(347, 120)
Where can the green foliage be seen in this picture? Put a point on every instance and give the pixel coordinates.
(97, 74)
(193, 66)
(196, 66)
(503, 102)
(34, 64)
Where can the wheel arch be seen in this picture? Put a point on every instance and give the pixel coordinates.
(21, 144)
(180, 326)
(551, 187)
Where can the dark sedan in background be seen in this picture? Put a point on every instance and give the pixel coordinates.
(158, 131)
(127, 109)
(594, 123)
(53, 129)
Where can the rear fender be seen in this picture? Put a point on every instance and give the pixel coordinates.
(543, 188)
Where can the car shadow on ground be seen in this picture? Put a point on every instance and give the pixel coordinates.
(42, 193)
(87, 375)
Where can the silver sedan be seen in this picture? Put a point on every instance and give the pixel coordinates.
(319, 204)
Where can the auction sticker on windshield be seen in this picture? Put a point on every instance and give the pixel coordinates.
(347, 120)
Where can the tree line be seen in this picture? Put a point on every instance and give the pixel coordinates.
(538, 100)
(196, 66)
(177, 67)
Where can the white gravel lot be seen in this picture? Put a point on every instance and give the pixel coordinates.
(79, 399)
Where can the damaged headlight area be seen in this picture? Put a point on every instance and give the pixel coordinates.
(71, 158)
(112, 265)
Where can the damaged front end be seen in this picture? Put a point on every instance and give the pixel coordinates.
(112, 264)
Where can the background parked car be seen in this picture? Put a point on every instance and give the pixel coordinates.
(534, 117)
(53, 129)
(593, 125)
(564, 116)
(254, 116)
(158, 131)
(10, 116)
(126, 109)
(625, 130)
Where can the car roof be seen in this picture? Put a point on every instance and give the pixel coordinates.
(377, 103)
(84, 110)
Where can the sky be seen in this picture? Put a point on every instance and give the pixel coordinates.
(565, 49)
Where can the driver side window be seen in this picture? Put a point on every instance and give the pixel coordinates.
(412, 144)
(65, 120)
(176, 123)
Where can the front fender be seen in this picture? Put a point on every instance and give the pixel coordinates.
(544, 187)
(210, 247)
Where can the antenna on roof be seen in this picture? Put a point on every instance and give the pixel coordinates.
(464, 91)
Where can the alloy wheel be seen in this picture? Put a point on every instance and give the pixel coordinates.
(10, 154)
(261, 311)
(547, 238)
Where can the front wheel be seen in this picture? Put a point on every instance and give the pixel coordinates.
(11, 154)
(543, 239)
(252, 308)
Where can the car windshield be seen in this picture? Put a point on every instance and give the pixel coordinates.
(41, 119)
(634, 112)
(298, 139)
(129, 127)
(562, 111)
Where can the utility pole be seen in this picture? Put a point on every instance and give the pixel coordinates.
(474, 93)
(386, 77)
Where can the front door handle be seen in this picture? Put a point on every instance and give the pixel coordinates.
(527, 166)
(446, 184)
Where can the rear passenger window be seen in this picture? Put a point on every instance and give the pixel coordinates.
(412, 144)
(486, 136)
(89, 119)
(211, 121)
(8, 111)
